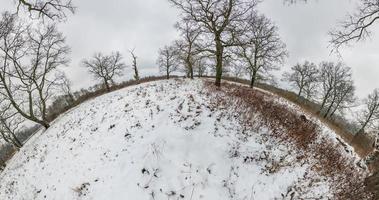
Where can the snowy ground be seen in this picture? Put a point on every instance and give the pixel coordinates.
(158, 140)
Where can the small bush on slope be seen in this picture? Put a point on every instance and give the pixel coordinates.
(286, 125)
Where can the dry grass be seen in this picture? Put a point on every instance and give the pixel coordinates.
(361, 143)
(288, 126)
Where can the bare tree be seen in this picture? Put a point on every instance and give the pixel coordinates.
(262, 47)
(370, 114)
(356, 26)
(304, 78)
(52, 9)
(105, 67)
(344, 98)
(202, 64)
(188, 46)
(10, 121)
(336, 86)
(237, 69)
(220, 21)
(30, 57)
(134, 64)
(65, 87)
(167, 60)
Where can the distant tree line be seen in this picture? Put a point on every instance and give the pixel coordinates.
(331, 85)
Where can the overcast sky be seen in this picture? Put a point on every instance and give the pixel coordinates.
(147, 25)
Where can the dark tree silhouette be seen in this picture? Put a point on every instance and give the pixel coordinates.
(188, 47)
(260, 47)
(369, 116)
(134, 64)
(337, 88)
(167, 60)
(30, 58)
(304, 78)
(52, 9)
(220, 21)
(105, 67)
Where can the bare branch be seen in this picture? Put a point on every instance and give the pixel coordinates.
(52, 9)
(356, 27)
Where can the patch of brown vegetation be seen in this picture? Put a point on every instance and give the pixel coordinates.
(289, 126)
(362, 143)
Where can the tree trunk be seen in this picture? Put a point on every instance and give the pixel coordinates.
(300, 91)
(136, 75)
(336, 108)
(327, 111)
(107, 85)
(16, 144)
(330, 107)
(71, 98)
(219, 57)
(324, 100)
(16, 141)
(368, 119)
(191, 71)
(253, 78)
(44, 124)
(190, 68)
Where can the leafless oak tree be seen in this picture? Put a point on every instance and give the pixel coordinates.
(202, 64)
(105, 67)
(52, 9)
(237, 69)
(336, 87)
(134, 64)
(304, 78)
(188, 46)
(220, 21)
(30, 58)
(344, 98)
(369, 116)
(167, 60)
(65, 87)
(260, 47)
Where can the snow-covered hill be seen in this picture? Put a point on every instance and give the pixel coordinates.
(158, 140)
